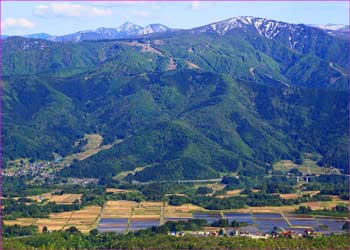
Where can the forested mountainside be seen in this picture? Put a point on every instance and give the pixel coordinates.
(234, 95)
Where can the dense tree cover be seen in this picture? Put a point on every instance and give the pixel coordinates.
(303, 210)
(279, 184)
(100, 198)
(16, 209)
(18, 186)
(199, 123)
(172, 226)
(66, 240)
(181, 124)
(220, 223)
(253, 199)
(176, 200)
(337, 211)
(268, 184)
(225, 223)
(17, 230)
(204, 190)
(333, 184)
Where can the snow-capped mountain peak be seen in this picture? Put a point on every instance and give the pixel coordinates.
(270, 29)
(265, 27)
(153, 28)
(333, 27)
(128, 26)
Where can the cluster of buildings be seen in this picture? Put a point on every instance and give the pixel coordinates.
(32, 169)
(308, 233)
(82, 181)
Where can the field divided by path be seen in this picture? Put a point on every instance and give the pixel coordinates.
(128, 216)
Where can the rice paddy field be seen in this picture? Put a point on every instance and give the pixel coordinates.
(127, 216)
(210, 217)
(59, 199)
(260, 219)
(112, 225)
(118, 209)
(84, 219)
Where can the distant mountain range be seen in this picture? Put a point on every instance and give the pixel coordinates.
(126, 30)
(129, 30)
(235, 95)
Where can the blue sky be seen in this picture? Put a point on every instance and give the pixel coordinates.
(57, 18)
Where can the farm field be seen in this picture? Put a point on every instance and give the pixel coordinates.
(84, 219)
(93, 141)
(59, 199)
(315, 205)
(301, 193)
(117, 190)
(180, 212)
(235, 192)
(131, 216)
(261, 219)
(125, 216)
(92, 147)
(118, 209)
(324, 204)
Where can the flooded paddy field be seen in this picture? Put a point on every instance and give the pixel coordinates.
(176, 219)
(209, 217)
(331, 225)
(266, 225)
(138, 224)
(266, 222)
(304, 222)
(267, 216)
(240, 217)
(121, 217)
(112, 225)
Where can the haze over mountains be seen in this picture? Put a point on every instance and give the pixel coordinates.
(125, 30)
(128, 30)
(235, 95)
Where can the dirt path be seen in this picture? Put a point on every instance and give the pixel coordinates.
(67, 221)
(98, 218)
(180, 181)
(129, 220)
(286, 219)
(333, 80)
(162, 208)
(254, 221)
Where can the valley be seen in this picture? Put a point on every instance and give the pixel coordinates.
(41, 170)
(122, 216)
(149, 136)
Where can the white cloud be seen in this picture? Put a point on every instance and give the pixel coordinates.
(70, 10)
(17, 23)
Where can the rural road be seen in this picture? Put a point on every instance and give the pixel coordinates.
(179, 181)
